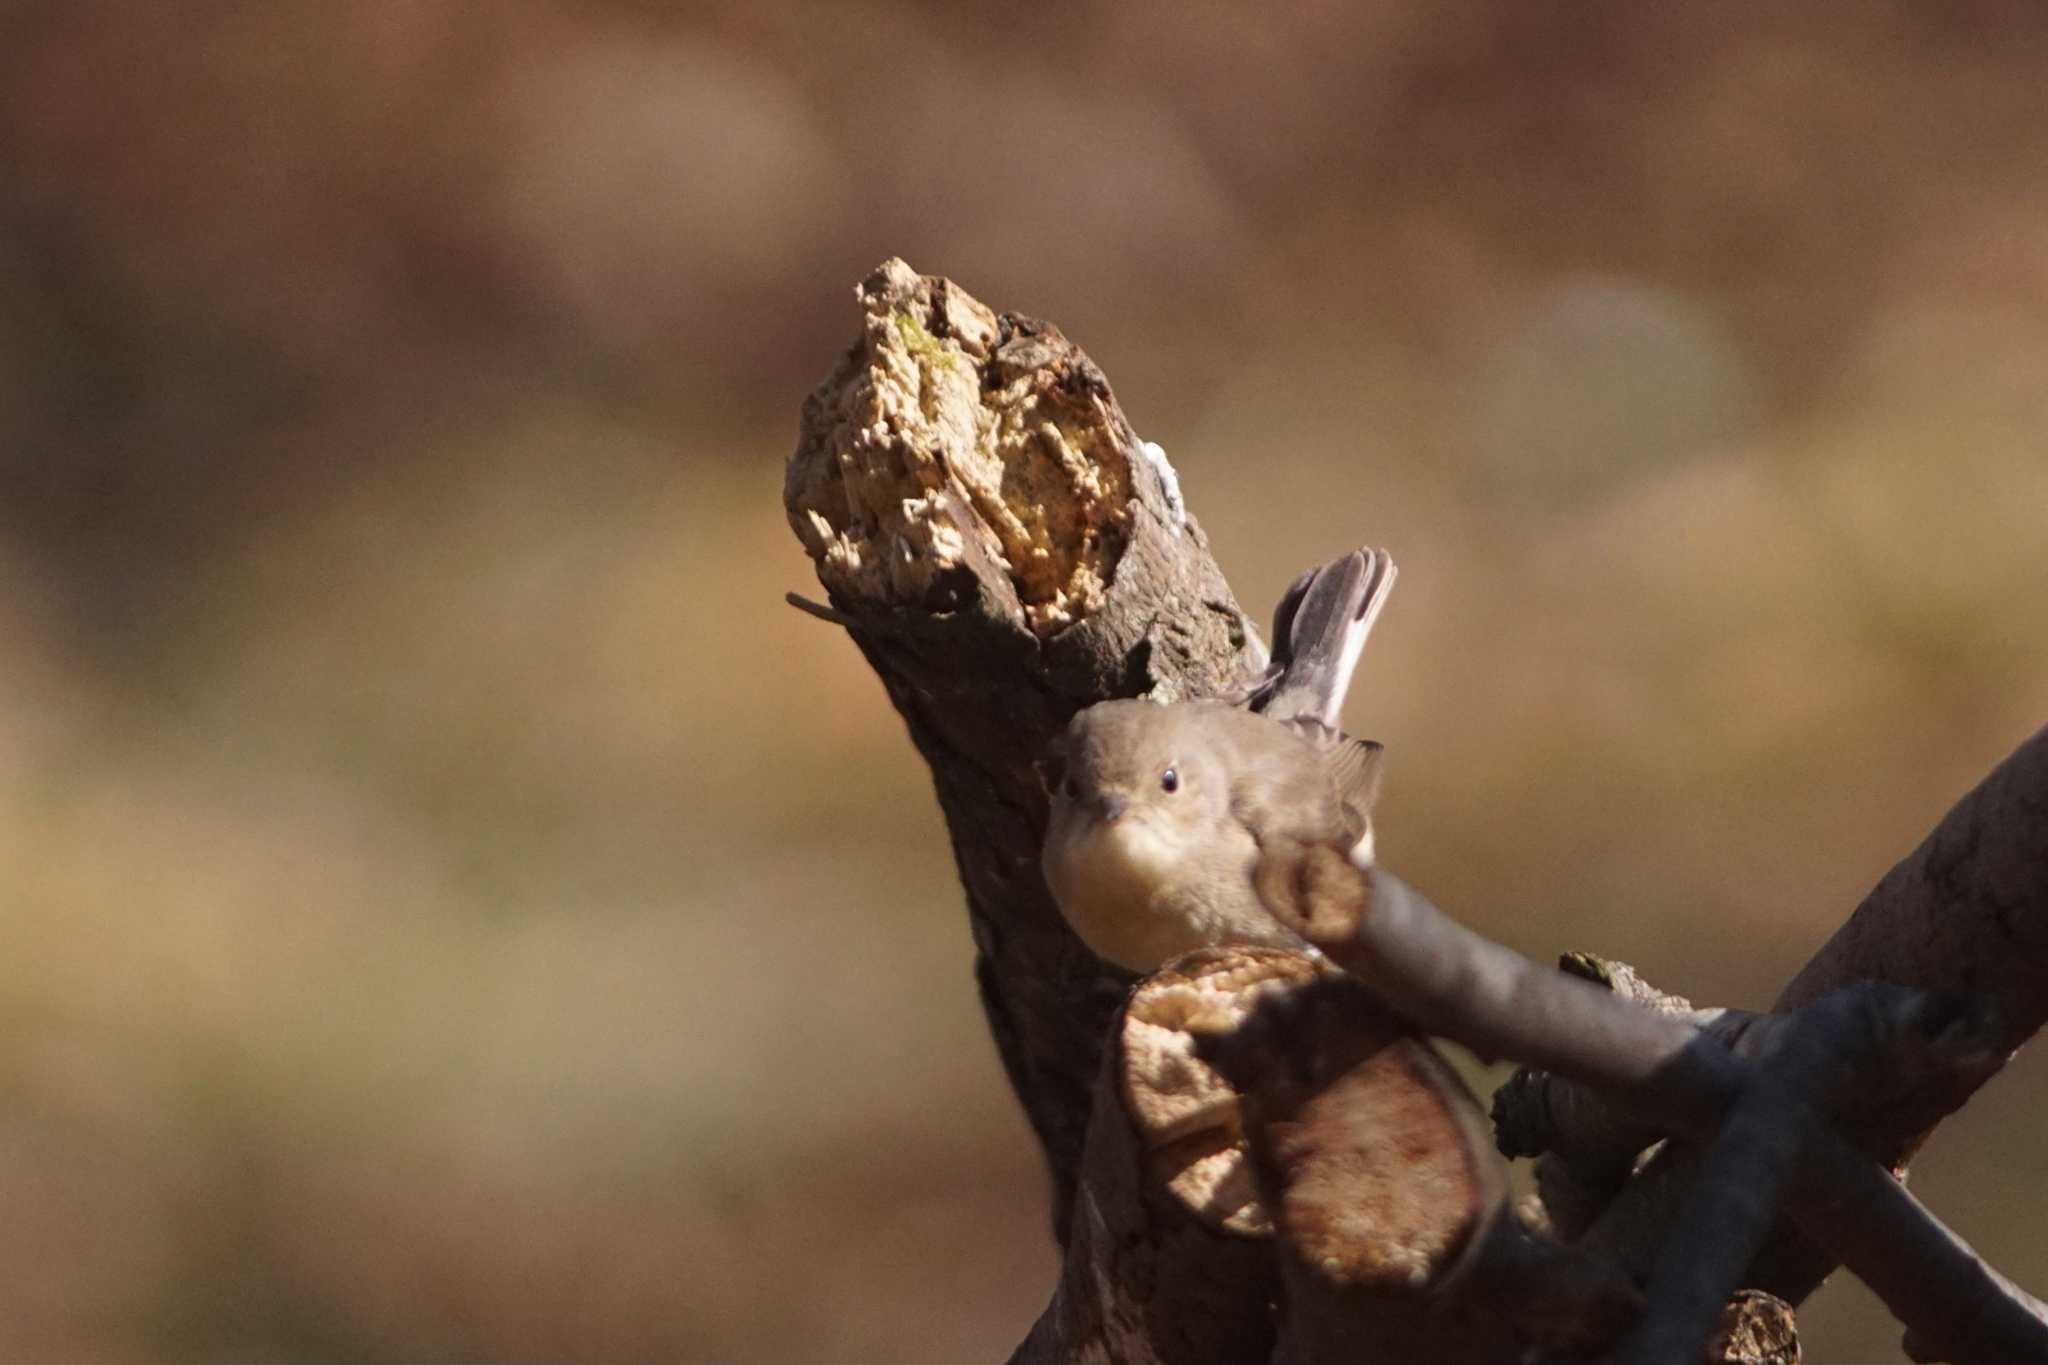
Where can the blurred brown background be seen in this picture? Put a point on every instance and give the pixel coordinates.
(454, 912)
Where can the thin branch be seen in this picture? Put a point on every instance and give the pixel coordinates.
(1965, 911)
(821, 611)
(1459, 985)
(995, 592)
(1761, 1140)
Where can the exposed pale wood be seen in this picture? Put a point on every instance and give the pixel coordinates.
(1456, 984)
(1006, 551)
(1169, 1261)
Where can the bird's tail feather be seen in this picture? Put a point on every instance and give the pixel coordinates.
(1319, 629)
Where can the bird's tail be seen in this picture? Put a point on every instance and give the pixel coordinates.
(1319, 629)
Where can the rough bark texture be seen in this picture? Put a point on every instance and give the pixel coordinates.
(1966, 911)
(1374, 1162)
(1756, 1329)
(1006, 551)
(1267, 1135)
(1169, 1261)
(1759, 1114)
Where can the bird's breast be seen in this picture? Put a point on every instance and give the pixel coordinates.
(1138, 894)
(1111, 882)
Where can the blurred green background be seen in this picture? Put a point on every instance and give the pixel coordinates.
(453, 911)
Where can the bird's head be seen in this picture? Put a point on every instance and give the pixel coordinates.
(1131, 766)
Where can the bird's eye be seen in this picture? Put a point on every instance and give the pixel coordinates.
(1170, 780)
(1072, 789)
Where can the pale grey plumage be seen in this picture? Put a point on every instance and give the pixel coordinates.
(1156, 819)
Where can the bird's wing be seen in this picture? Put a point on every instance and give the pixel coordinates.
(1355, 766)
(1317, 792)
(1352, 767)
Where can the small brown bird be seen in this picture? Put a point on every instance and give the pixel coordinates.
(1159, 809)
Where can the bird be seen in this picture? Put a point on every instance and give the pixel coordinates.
(1158, 810)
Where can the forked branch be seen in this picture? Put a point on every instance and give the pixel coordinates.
(1005, 550)
(1661, 1066)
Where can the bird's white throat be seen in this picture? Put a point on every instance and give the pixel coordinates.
(1106, 879)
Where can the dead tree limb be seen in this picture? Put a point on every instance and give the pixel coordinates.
(1966, 911)
(1168, 1262)
(1586, 1146)
(1457, 984)
(1394, 1234)
(1006, 551)
(1329, 1159)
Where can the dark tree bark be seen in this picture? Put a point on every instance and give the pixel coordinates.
(1168, 1261)
(1004, 551)
(1966, 911)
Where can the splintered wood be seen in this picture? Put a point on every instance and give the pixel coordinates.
(935, 447)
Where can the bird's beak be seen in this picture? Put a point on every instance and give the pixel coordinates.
(1109, 806)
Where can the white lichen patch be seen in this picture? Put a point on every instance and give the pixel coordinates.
(910, 455)
(1169, 481)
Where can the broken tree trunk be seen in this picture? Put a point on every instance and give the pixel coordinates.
(1004, 551)
(1265, 1129)
(1167, 1263)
